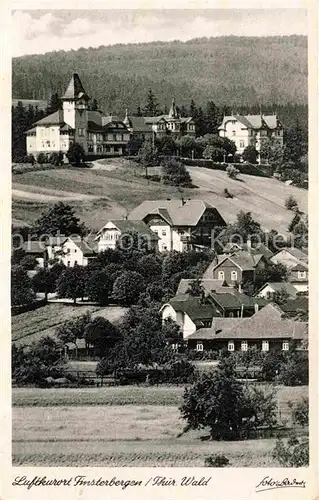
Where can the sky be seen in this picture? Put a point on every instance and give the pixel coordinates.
(37, 32)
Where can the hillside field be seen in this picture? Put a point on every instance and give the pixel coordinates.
(110, 193)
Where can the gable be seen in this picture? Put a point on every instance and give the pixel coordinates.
(227, 262)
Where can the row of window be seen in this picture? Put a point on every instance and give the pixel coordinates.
(107, 137)
(244, 345)
(163, 232)
(233, 275)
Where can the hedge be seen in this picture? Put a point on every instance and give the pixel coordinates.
(244, 168)
(15, 310)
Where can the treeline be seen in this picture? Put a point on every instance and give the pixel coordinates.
(227, 70)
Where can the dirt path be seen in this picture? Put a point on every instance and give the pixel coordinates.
(48, 195)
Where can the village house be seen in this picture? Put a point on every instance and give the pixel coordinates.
(110, 234)
(251, 130)
(44, 250)
(236, 268)
(77, 251)
(96, 133)
(188, 312)
(265, 330)
(299, 277)
(268, 289)
(290, 257)
(181, 225)
(234, 304)
(151, 126)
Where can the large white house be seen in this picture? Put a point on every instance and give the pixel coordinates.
(181, 225)
(251, 130)
(97, 133)
(111, 233)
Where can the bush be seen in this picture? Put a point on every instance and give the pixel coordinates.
(216, 460)
(41, 158)
(175, 174)
(291, 203)
(294, 454)
(232, 172)
(180, 372)
(300, 412)
(295, 371)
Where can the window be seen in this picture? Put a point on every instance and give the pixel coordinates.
(68, 263)
(265, 345)
(75, 250)
(221, 275)
(241, 144)
(231, 345)
(302, 274)
(285, 345)
(75, 262)
(114, 137)
(233, 276)
(231, 315)
(164, 232)
(81, 131)
(234, 132)
(244, 345)
(233, 122)
(199, 346)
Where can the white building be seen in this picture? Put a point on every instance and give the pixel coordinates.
(251, 130)
(97, 134)
(76, 251)
(181, 225)
(290, 257)
(114, 230)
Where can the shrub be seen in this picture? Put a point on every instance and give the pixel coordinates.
(295, 371)
(300, 411)
(291, 203)
(41, 158)
(180, 372)
(232, 172)
(294, 454)
(216, 460)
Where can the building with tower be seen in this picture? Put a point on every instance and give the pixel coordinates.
(98, 134)
(147, 126)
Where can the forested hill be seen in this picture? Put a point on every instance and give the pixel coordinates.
(228, 70)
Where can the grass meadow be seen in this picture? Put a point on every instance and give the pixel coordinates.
(122, 426)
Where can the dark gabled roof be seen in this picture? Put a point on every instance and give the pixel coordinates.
(87, 246)
(34, 247)
(153, 119)
(265, 324)
(138, 124)
(180, 214)
(235, 300)
(208, 284)
(295, 252)
(75, 89)
(255, 122)
(55, 118)
(301, 266)
(193, 307)
(244, 260)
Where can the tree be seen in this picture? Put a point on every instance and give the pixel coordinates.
(186, 144)
(41, 282)
(128, 287)
(212, 118)
(196, 288)
(147, 155)
(76, 154)
(232, 172)
(296, 370)
(250, 154)
(102, 334)
(60, 220)
(175, 173)
(272, 152)
(55, 104)
(151, 106)
(246, 226)
(219, 401)
(93, 106)
(29, 263)
(21, 290)
(73, 328)
(279, 296)
(134, 145)
(99, 286)
(300, 411)
(273, 273)
(295, 142)
(166, 145)
(71, 284)
(295, 220)
(291, 203)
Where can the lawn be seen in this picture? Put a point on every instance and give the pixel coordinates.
(32, 325)
(112, 193)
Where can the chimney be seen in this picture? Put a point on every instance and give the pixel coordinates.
(256, 307)
(249, 245)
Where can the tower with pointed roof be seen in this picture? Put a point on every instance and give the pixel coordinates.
(75, 109)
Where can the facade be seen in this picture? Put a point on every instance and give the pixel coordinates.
(299, 276)
(97, 134)
(78, 252)
(111, 233)
(290, 257)
(251, 130)
(189, 313)
(265, 330)
(235, 268)
(148, 126)
(180, 225)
